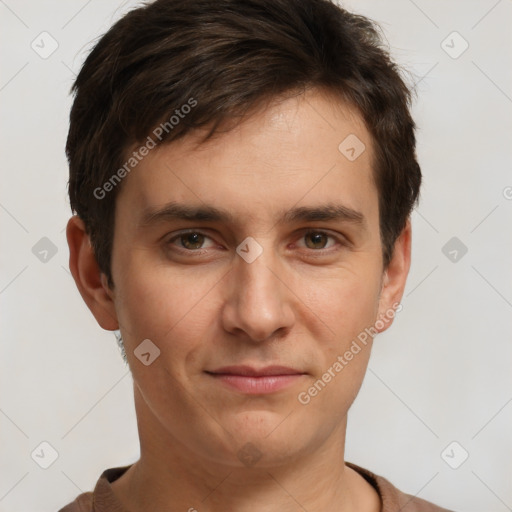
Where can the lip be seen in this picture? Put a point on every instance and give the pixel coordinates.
(254, 381)
(249, 371)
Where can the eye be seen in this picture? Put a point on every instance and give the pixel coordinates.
(193, 242)
(190, 241)
(318, 240)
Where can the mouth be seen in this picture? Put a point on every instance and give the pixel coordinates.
(257, 381)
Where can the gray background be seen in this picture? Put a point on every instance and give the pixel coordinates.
(440, 374)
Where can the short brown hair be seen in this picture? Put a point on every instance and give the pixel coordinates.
(231, 56)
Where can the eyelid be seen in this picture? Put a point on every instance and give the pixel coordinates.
(338, 237)
(188, 231)
(170, 245)
(341, 239)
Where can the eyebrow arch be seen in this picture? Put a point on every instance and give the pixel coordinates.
(326, 212)
(178, 211)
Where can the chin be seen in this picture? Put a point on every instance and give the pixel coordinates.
(263, 439)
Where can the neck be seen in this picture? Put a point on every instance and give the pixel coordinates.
(170, 476)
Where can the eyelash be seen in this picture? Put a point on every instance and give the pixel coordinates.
(199, 252)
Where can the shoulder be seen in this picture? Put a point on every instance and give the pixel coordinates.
(102, 498)
(393, 499)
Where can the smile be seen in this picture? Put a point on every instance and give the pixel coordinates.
(256, 382)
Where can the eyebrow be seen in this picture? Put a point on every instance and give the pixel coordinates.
(173, 211)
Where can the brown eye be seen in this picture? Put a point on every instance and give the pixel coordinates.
(192, 241)
(318, 239)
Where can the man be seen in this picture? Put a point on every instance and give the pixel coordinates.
(243, 174)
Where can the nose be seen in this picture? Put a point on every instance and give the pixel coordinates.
(258, 303)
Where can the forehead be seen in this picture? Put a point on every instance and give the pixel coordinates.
(305, 150)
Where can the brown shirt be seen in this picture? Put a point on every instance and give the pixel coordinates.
(102, 499)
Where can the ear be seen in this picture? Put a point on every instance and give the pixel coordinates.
(394, 279)
(91, 283)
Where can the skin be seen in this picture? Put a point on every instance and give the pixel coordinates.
(301, 303)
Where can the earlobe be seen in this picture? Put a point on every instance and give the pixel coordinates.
(394, 279)
(90, 281)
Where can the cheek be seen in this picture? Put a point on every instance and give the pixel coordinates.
(171, 308)
(346, 303)
(348, 310)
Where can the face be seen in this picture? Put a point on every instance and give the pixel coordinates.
(278, 262)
